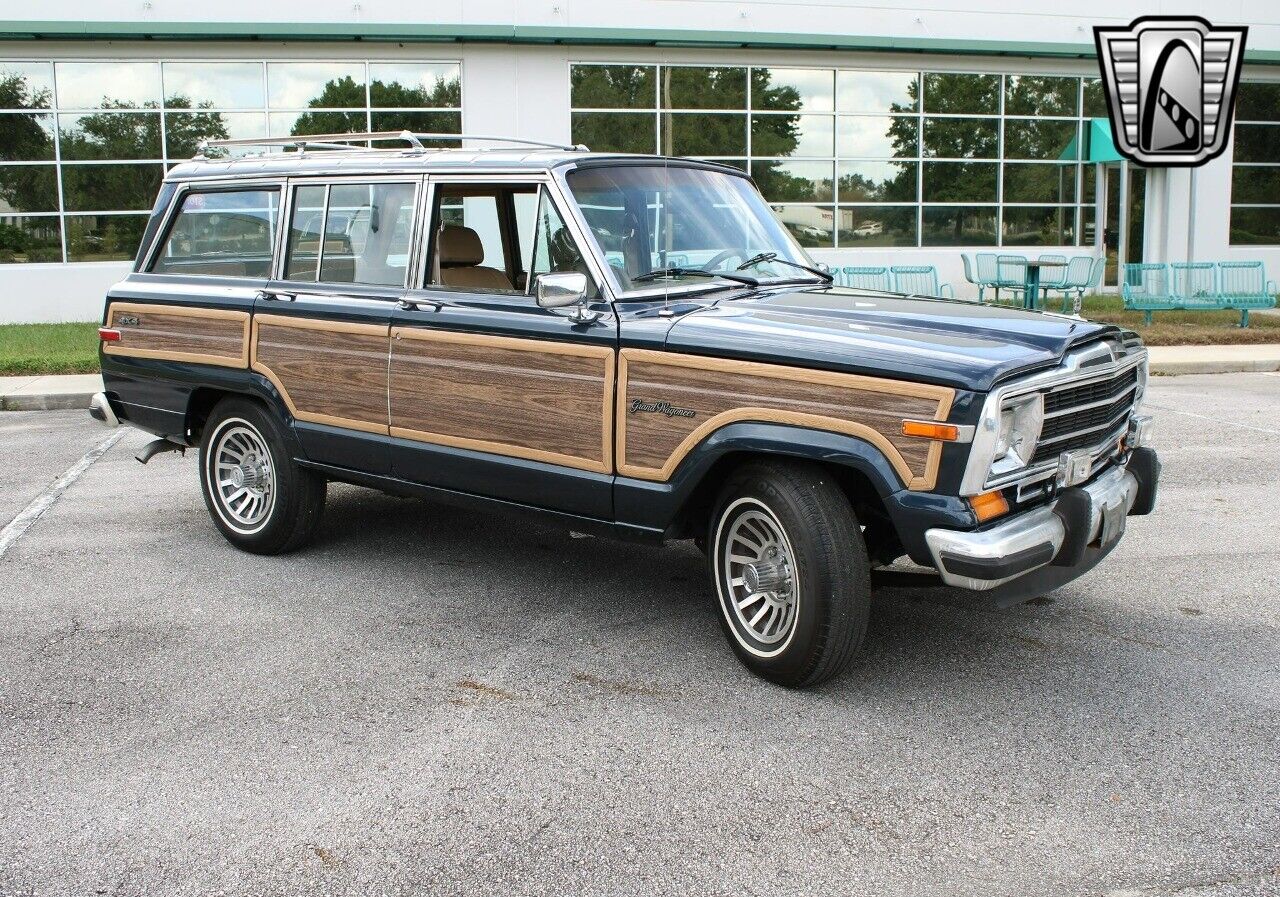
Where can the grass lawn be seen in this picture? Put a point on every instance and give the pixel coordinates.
(1183, 328)
(48, 348)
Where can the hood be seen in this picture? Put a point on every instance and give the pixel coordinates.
(951, 343)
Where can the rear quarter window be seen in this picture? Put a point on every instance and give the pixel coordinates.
(225, 233)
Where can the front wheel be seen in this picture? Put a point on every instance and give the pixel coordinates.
(259, 499)
(791, 572)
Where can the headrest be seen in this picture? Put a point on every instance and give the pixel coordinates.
(460, 246)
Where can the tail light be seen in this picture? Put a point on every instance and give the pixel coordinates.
(108, 334)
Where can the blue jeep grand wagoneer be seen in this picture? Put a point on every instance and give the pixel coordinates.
(632, 345)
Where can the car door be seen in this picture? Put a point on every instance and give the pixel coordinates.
(489, 393)
(321, 328)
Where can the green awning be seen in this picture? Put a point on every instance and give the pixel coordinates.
(1102, 144)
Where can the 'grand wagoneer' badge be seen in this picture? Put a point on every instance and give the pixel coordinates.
(639, 405)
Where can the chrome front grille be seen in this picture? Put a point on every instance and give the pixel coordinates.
(1089, 414)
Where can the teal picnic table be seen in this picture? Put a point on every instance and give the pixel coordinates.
(1031, 293)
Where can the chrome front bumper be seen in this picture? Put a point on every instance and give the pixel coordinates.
(1084, 518)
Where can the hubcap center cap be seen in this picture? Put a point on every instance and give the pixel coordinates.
(764, 576)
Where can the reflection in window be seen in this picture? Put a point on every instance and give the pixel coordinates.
(959, 226)
(703, 134)
(878, 181)
(959, 182)
(27, 239)
(808, 90)
(103, 188)
(878, 91)
(28, 188)
(961, 94)
(104, 238)
(812, 226)
(794, 181)
(185, 130)
(306, 223)
(110, 135)
(695, 87)
(613, 87)
(1040, 95)
(877, 137)
(367, 230)
(869, 226)
(427, 85)
(420, 122)
(1095, 99)
(1255, 226)
(26, 137)
(226, 234)
(961, 138)
(318, 85)
(1039, 225)
(792, 135)
(103, 85)
(616, 132)
(215, 85)
(1040, 139)
(1027, 182)
(26, 85)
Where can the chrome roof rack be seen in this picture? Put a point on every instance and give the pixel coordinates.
(304, 142)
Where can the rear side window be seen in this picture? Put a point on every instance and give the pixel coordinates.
(227, 233)
(351, 233)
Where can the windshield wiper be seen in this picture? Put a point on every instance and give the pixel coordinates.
(694, 272)
(773, 257)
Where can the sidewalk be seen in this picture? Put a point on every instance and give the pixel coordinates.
(1214, 359)
(48, 393)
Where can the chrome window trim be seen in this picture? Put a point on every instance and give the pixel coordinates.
(1072, 372)
(328, 182)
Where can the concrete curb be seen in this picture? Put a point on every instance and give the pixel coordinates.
(1173, 368)
(60, 401)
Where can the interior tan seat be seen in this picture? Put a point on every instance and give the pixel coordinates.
(461, 253)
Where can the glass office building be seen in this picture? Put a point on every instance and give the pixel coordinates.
(874, 144)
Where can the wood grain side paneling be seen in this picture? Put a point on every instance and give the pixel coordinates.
(177, 333)
(328, 372)
(534, 399)
(718, 392)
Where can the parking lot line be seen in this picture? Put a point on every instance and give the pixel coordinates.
(46, 499)
(1216, 420)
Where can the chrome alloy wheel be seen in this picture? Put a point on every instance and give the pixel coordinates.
(242, 478)
(758, 580)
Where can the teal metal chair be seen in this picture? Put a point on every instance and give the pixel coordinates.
(972, 273)
(987, 272)
(1243, 286)
(866, 279)
(1075, 280)
(1011, 274)
(920, 280)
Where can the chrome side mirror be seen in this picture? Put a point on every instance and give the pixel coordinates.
(564, 290)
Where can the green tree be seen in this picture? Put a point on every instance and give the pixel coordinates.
(24, 138)
(347, 93)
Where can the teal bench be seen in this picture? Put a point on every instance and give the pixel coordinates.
(920, 280)
(866, 279)
(1185, 286)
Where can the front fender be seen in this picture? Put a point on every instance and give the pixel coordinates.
(658, 505)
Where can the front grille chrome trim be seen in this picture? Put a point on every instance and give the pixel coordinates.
(1079, 368)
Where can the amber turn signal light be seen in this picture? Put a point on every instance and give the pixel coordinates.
(988, 506)
(108, 335)
(929, 430)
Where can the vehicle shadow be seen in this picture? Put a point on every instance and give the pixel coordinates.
(634, 595)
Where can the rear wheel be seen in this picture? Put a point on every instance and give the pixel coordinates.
(791, 572)
(259, 499)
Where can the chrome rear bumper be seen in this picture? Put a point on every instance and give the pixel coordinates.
(1084, 521)
(100, 410)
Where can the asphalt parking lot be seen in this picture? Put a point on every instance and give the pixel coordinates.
(433, 701)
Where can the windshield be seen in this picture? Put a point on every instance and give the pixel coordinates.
(682, 222)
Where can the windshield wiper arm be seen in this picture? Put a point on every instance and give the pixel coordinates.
(694, 272)
(773, 257)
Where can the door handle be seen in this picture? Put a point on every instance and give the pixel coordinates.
(271, 296)
(416, 304)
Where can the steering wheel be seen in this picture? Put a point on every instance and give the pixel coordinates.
(720, 256)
